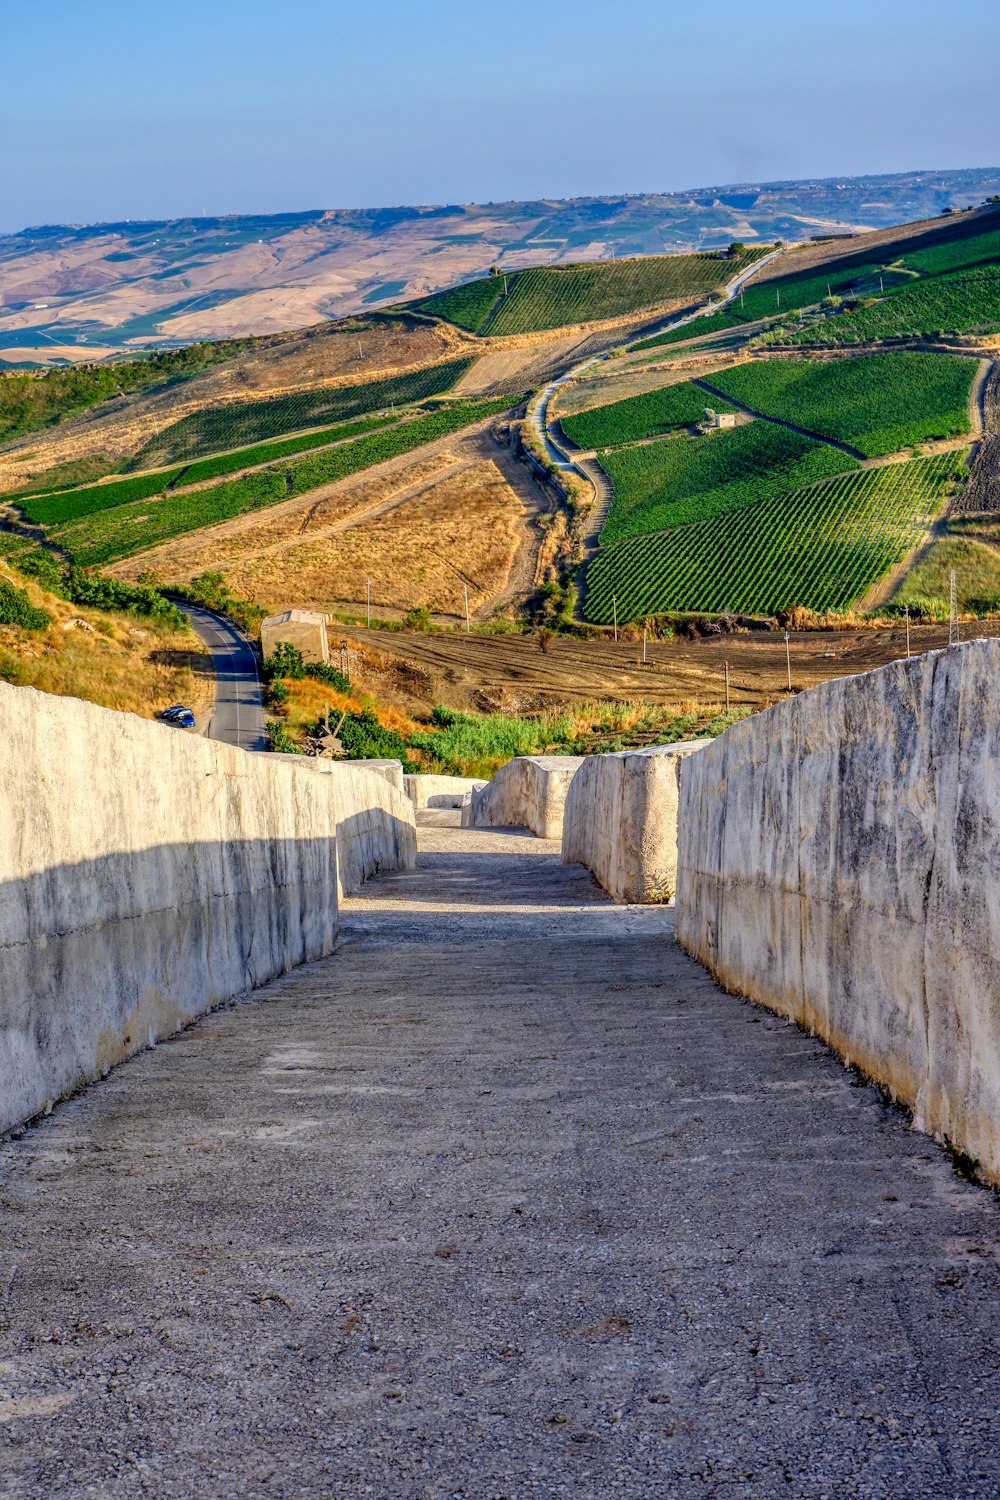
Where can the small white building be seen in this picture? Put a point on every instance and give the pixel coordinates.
(302, 628)
(713, 420)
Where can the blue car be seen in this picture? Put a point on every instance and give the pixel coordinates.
(178, 714)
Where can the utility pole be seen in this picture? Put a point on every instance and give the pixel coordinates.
(777, 293)
(468, 626)
(954, 635)
(644, 645)
(726, 664)
(369, 604)
(881, 285)
(360, 355)
(505, 283)
(614, 606)
(906, 612)
(788, 660)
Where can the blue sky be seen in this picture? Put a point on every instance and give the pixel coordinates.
(130, 109)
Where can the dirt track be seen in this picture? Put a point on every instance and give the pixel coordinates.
(513, 673)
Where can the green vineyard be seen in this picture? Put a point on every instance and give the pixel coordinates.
(967, 302)
(879, 403)
(556, 296)
(820, 547)
(243, 422)
(683, 480)
(637, 417)
(104, 535)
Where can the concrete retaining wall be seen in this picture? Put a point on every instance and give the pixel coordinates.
(839, 862)
(528, 792)
(620, 820)
(146, 876)
(439, 791)
(375, 822)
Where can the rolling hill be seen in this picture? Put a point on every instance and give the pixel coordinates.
(73, 292)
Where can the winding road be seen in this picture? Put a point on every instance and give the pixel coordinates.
(237, 717)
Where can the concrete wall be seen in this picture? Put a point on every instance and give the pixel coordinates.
(439, 791)
(839, 862)
(146, 876)
(528, 792)
(376, 823)
(620, 820)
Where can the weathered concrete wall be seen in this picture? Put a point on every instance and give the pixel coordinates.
(439, 791)
(528, 792)
(148, 875)
(620, 820)
(375, 822)
(839, 862)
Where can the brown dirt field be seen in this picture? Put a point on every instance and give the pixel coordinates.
(461, 510)
(328, 355)
(511, 674)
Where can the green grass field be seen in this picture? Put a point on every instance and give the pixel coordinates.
(109, 534)
(820, 547)
(648, 415)
(244, 422)
(878, 404)
(678, 483)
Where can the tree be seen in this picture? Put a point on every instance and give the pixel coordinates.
(736, 249)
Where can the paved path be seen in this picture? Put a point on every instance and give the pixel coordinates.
(238, 714)
(506, 1199)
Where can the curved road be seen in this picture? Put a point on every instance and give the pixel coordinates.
(538, 413)
(238, 715)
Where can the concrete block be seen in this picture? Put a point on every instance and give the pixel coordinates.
(620, 820)
(839, 862)
(528, 792)
(439, 791)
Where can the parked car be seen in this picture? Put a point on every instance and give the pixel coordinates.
(178, 714)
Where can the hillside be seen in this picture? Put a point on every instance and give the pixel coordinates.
(115, 657)
(73, 292)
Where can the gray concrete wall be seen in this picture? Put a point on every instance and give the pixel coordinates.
(375, 821)
(620, 820)
(147, 875)
(839, 862)
(528, 792)
(439, 791)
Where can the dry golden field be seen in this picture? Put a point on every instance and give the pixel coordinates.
(109, 659)
(457, 512)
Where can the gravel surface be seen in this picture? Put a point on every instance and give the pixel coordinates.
(504, 1199)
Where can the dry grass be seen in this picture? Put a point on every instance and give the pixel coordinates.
(420, 527)
(294, 362)
(108, 659)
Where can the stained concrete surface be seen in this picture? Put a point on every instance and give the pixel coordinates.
(504, 1199)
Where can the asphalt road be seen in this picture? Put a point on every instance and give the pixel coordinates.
(505, 1199)
(238, 715)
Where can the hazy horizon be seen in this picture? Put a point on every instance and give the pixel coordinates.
(219, 108)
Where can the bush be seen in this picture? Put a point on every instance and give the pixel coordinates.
(286, 662)
(17, 609)
(281, 741)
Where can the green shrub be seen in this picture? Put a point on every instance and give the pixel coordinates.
(17, 609)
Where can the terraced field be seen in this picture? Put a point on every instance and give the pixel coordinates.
(821, 546)
(557, 296)
(68, 505)
(125, 529)
(687, 480)
(966, 303)
(878, 404)
(243, 422)
(648, 415)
